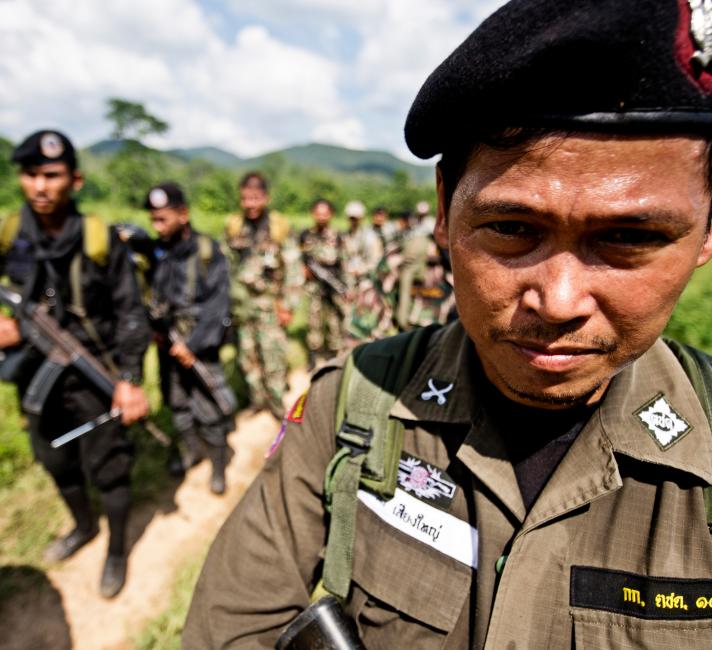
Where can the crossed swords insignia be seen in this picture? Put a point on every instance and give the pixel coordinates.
(435, 392)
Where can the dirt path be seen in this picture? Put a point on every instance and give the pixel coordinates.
(166, 533)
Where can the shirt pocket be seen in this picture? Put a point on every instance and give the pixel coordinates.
(406, 594)
(598, 630)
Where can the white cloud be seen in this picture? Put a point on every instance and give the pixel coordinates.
(348, 132)
(275, 73)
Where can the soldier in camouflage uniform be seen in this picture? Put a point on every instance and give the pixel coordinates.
(323, 253)
(363, 246)
(411, 287)
(265, 278)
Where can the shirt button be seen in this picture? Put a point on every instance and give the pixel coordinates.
(50, 293)
(499, 565)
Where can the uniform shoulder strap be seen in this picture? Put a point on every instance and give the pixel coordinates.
(233, 225)
(369, 442)
(96, 239)
(698, 368)
(9, 227)
(278, 227)
(198, 264)
(205, 250)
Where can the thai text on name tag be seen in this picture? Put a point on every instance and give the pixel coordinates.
(429, 525)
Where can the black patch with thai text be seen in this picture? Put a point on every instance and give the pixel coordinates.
(640, 596)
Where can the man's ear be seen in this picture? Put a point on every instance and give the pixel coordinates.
(183, 215)
(706, 251)
(440, 231)
(77, 180)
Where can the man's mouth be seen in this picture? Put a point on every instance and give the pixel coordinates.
(554, 357)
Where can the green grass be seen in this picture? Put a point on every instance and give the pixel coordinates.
(164, 631)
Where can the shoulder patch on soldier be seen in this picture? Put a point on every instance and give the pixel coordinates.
(278, 440)
(663, 422)
(296, 413)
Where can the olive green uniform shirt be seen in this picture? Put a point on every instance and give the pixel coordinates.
(604, 558)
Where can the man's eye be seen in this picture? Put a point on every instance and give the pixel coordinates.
(511, 228)
(634, 237)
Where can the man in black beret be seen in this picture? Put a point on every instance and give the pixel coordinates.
(553, 455)
(191, 308)
(78, 269)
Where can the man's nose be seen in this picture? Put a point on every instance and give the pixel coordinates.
(559, 289)
(40, 183)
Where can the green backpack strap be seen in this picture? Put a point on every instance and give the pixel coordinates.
(369, 443)
(9, 227)
(698, 367)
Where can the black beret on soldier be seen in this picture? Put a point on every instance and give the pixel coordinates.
(44, 147)
(165, 195)
(620, 65)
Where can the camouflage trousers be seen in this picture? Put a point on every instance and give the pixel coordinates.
(325, 320)
(262, 358)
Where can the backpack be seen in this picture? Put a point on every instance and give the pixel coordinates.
(369, 443)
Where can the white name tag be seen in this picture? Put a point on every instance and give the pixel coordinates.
(429, 525)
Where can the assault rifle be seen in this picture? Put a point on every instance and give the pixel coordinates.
(325, 276)
(220, 393)
(61, 350)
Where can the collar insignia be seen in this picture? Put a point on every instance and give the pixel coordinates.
(436, 393)
(701, 31)
(425, 481)
(662, 422)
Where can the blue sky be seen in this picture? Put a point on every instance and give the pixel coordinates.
(248, 76)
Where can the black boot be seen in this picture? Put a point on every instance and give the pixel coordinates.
(179, 464)
(64, 547)
(217, 478)
(85, 528)
(113, 577)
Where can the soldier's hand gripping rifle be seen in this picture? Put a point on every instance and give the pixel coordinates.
(61, 350)
(221, 394)
(325, 276)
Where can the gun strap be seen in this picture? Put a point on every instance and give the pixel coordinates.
(79, 310)
(369, 443)
(698, 368)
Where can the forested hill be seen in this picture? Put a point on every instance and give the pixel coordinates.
(316, 156)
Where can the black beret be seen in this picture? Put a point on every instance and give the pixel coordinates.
(165, 195)
(620, 65)
(45, 147)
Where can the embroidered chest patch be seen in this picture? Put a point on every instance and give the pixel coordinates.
(663, 422)
(641, 596)
(425, 481)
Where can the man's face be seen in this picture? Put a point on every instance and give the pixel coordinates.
(253, 201)
(48, 188)
(322, 214)
(569, 256)
(167, 222)
(379, 218)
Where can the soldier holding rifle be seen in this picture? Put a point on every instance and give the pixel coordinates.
(323, 256)
(78, 271)
(190, 312)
